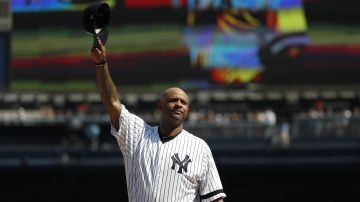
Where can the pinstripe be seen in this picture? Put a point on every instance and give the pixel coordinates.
(152, 174)
(162, 178)
(173, 176)
(182, 186)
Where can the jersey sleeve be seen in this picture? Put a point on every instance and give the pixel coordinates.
(131, 129)
(210, 185)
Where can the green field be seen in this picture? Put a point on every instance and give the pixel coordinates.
(334, 34)
(127, 39)
(154, 37)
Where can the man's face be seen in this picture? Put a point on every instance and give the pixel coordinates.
(174, 106)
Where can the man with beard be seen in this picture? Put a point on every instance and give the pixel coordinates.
(165, 162)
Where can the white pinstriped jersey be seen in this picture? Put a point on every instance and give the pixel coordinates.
(181, 169)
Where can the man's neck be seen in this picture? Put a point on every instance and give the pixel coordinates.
(170, 131)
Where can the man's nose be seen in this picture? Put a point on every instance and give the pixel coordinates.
(178, 103)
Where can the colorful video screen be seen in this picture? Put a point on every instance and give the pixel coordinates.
(25, 6)
(192, 44)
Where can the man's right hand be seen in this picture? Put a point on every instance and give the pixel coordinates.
(98, 54)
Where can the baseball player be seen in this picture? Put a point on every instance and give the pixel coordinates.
(162, 163)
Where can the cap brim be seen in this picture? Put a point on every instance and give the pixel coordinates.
(102, 35)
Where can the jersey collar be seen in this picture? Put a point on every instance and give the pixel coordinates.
(166, 139)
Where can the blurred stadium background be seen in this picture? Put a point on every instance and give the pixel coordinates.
(274, 90)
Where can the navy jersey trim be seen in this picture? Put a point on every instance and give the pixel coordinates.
(165, 139)
(206, 196)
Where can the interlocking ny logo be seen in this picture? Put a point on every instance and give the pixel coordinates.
(182, 164)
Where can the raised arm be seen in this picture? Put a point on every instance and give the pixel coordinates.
(107, 89)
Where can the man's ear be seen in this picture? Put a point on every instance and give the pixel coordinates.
(188, 111)
(158, 106)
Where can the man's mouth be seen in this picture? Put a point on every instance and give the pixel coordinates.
(176, 111)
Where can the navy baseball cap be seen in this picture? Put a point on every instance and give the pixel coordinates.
(96, 17)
